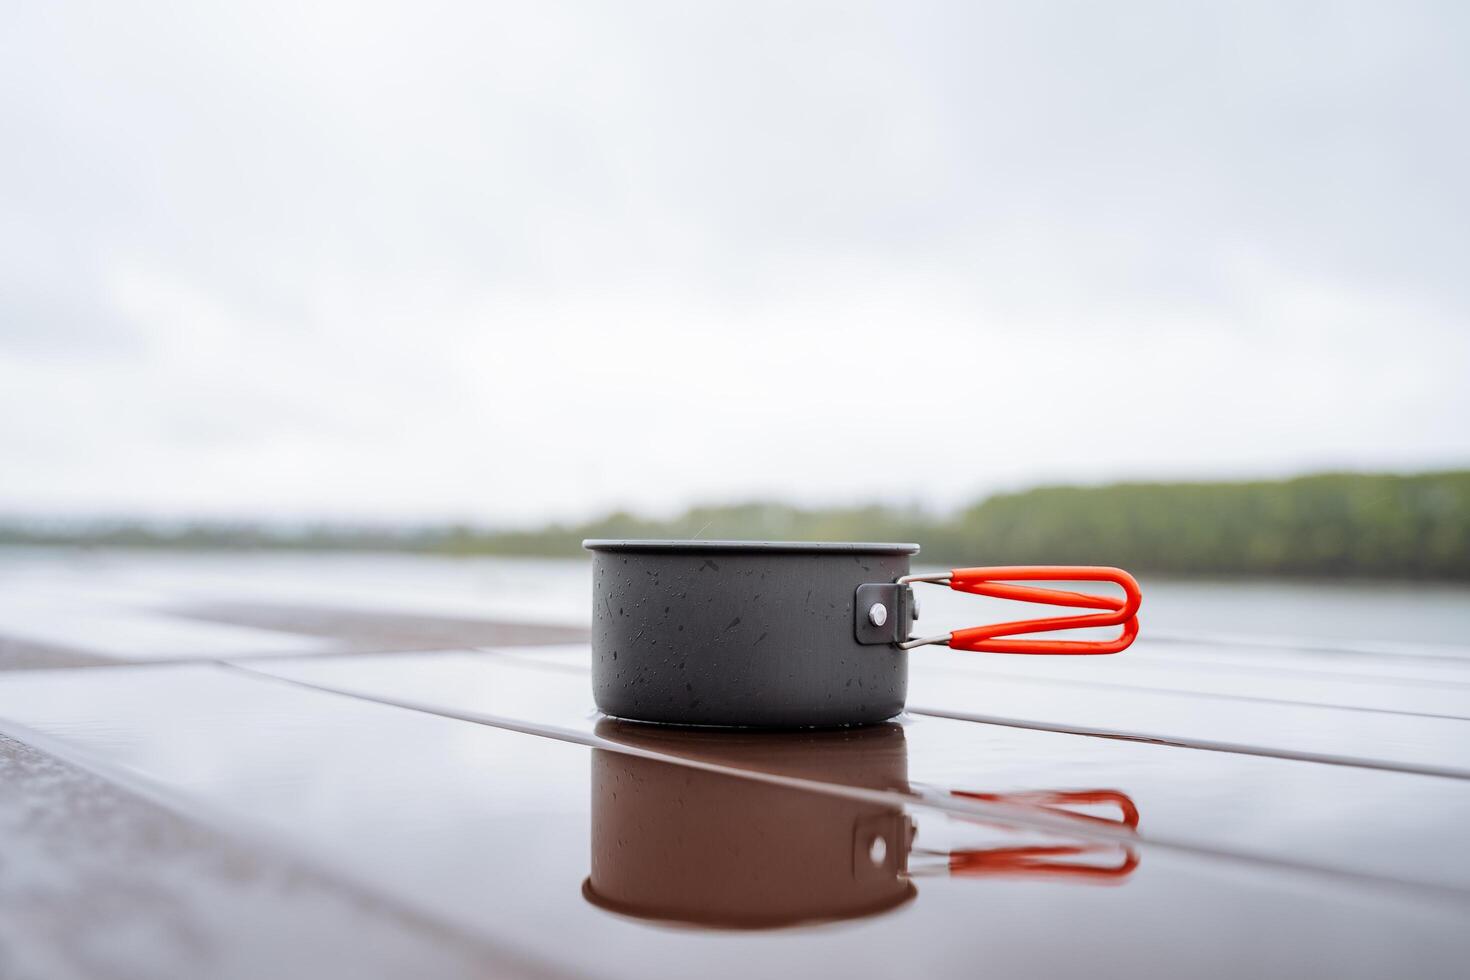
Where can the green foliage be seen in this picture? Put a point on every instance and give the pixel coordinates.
(1326, 525)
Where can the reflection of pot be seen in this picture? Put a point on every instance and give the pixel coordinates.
(676, 843)
(873, 756)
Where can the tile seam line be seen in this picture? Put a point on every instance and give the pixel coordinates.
(1309, 645)
(1201, 745)
(507, 650)
(531, 661)
(1185, 692)
(1236, 667)
(105, 660)
(1170, 741)
(934, 800)
(252, 832)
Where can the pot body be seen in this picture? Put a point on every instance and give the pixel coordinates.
(742, 633)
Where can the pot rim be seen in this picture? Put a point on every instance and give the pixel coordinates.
(690, 547)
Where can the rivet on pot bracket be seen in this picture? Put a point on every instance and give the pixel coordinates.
(896, 831)
(897, 599)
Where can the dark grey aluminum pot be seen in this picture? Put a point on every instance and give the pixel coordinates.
(744, 633)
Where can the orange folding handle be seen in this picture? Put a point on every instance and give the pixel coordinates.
(999, 637)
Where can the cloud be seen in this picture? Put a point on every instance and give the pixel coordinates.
(511, 262)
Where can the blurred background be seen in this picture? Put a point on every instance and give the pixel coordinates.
(1179, 288)
(328, 331)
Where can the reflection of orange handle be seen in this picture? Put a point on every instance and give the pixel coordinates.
(993, 582)
(1038, 862)
(1057, 800)
(1049, 860)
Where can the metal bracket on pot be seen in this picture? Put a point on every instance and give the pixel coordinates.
(883, 613)
(880, 845)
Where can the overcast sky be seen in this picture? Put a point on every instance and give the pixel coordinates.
(511, 262)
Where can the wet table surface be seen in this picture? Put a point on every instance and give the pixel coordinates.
(225, 770)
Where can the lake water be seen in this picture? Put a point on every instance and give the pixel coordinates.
(1421, 621)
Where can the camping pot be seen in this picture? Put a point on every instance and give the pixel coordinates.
(797, 634)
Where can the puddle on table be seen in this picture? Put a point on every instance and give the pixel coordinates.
(681, 845)
(489, 831)
(1359, 820)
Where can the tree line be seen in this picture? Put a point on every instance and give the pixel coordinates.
(1327, 525)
